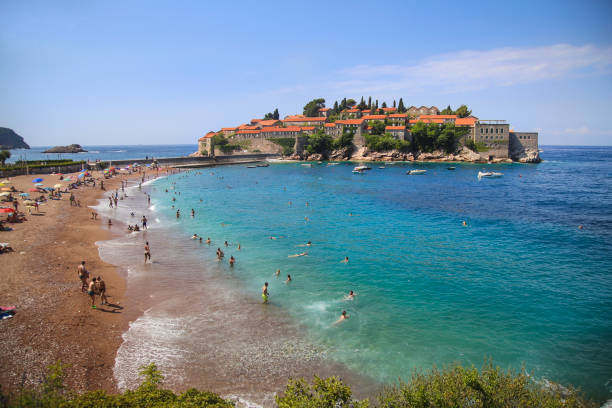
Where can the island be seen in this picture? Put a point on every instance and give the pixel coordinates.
(11, 140)
(367, 131)
(73, 148)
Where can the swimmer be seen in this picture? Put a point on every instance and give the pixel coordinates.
(132, 214)
(178, 213)
(226, 244)
(208, 241)
(200, 240)
(343, 317)
(232, 260)
(288, 279)
(264, 292)
(239, 247)
(272, 237)
(192, 212)
(194, 236)
(277, 273)
(580, 227)
(306, 219)
(350, 296)
(345, 260)
(296, 255)
(305, 245)
(464, 223)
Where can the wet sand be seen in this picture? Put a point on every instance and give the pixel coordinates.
(54, 320)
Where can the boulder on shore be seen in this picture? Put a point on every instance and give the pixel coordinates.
(73, 148)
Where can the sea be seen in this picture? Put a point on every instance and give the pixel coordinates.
(526, 282)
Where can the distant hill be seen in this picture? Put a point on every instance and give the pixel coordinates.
(73, 148)
(11, 140)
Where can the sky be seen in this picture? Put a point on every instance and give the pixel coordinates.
(167, 72)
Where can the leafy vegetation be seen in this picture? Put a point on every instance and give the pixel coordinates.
(38, 164)
(311, 109)
(343, 141)
(4, 156)
(219, 141)
(272, 115)
(323, 393)
(431, 136)
(287, 143)
(319, 143)
(386, 142)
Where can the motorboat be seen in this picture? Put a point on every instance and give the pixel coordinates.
(382, 167)
(362, 168)
(451, 168)
(416, 172)
(332, 164)
(489, 174)
(251, 167)
(263, 165)
(307, 164)
(355, 171)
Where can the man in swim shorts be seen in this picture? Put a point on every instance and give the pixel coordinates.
(91, 292)
(147, 252)
(264, 292)
(83, 276)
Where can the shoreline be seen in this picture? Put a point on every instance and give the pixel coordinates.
(54, 320)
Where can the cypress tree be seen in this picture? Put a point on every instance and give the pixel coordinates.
(369, 102)
(384, 105)
(400, 107)
(275, 115)
(394, 105)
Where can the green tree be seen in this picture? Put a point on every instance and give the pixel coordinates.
(400, 107)
(384, 105)
(394, 105)
(319, 143)
(369, 102)
(447, 111)
(323, 393)
(342, 105)
(345, 140)
(447, 139)
(378, 127)
(275, 115)
(311, 109)
(463, 111)
(4, 156)
(350, 103)
(336, 109)
(362, 105)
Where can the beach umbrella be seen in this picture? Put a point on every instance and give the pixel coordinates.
(6, 210)
(5, 194)
(38, 184)
(33, 190)
(24, 194)
(57, 186)
(81, 175)
(37, 180)
(49, 188)
(67, 179)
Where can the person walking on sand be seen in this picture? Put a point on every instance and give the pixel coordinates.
(147, 252)
(102, 291)
(264, 293)
(91, 291)
(144, 222)
(83, 276)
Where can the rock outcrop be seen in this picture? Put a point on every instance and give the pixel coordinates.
(73, 148)
(526, 156)
(11, 140)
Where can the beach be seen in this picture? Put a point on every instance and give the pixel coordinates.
(54, 320)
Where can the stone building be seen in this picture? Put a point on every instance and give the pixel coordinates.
(423, 110)
(398, 132)
(494, 135)
(372, 118)
(205, 146)
(304, 121)
(358, 126)
(280, 132)
(333, 130)
(398, 119)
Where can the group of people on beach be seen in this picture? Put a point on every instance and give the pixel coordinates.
(93, 288)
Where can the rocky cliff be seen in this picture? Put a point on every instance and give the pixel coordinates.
(11, 140)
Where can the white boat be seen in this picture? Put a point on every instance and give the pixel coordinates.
(362, 168)
(416, 172)
(357, 171)
(307, 164)
(332, 164)
(489, 174)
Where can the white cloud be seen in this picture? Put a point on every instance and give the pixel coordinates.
(471, 70)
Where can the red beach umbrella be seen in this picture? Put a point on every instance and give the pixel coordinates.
(33, 190)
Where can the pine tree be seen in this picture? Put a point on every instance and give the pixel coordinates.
(275, 115)
(335, 112)
(369, 102)
(400, 107)
(394, 105)
(384, 105)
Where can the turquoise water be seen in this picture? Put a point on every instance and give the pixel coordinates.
(520, 284)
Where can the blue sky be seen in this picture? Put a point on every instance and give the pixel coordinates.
(147, 72)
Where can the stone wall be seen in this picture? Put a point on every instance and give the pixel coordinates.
(495, 136)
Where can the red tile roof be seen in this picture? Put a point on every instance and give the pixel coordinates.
(350, 122)
(242, 132)
(305, 119)
(398, 115)
(256, 120)
(308, 127)
(465, 121)
(207, 136)
(438, 117)
(354, 110)
(283, 129)
(269, 122)
(389, 109)
(427, 120)
(375, 117)
(330, 125)
(395, 128)
(229, 129)
(323, 109)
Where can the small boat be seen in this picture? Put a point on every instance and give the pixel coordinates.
(451, 168)
(319, 162)
(307, 164)
(416, 172)
(382, 167)
(489, 174)
(251, 167)
(362, 168)
(263, 165)
(357, 171)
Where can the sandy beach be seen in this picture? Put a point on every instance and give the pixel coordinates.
(54, 320)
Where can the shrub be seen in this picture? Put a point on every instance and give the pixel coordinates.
(319, 143)
(343, 141)
(287, 143)
(323, 393)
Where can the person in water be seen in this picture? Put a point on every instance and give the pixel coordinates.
(232, 260)
(345, 260)
(178, 213)
(350, 296)
(288, 279)
(296, 255)
(208, 241)
(147, 252)
(226, 243)
(277, 273)
(194, 236)
(464, 223)
(264, 293)
(342, 318)
(200, 240)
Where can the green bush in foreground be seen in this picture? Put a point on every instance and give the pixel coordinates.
(455, 386)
